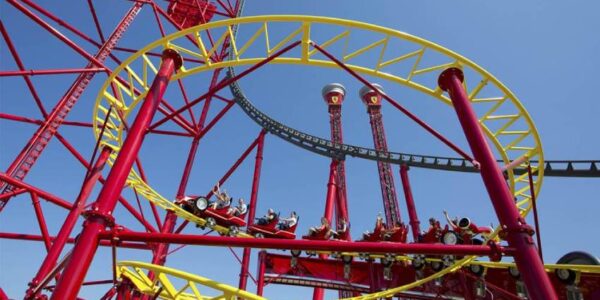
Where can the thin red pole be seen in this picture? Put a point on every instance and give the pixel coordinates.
(101, 214)
(309, 245)
(514, 226)
(228, 81)
(252, 207)
(64, 232)
(260, 284)
(122, 200)
(19, 63)
(395, 104)
(410, 203)
(43, 194)
(535, 212)
(226, 176)
(331, 191)
(39, 238)
(41, 220)
(57, 33)
(26, 73)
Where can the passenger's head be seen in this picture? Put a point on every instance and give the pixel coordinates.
(241, 201)
(271, 211)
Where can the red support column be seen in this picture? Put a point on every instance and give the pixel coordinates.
(260, 282)
(252, 207)
(372, 99)
(100, 216)
(333, 94)
(410, 203)
(63, 234)
(329, 201)
(517, 231)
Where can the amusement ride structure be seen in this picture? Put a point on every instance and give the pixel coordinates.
(152, 90)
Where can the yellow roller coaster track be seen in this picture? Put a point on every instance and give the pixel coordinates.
(503, 118)
(164, 286)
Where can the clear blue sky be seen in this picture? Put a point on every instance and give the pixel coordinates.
(544, 51)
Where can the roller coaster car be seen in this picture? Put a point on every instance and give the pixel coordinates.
(398, 234)
(272, 230)
(376, 236)
(433, 234)
(201, 207)
(322, 234)
(464, 234)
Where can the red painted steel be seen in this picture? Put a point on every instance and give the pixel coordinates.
(100, 216)
(535, 212)
(252, 207)
(70, 221)
(410, 203)
(395, 104)
(260, 284)
(309, 245)
(71, 240)
(333, 94)
(40, 139)
(517, 231)
(372, 99)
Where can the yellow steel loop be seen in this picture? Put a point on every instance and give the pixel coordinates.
(515, 138)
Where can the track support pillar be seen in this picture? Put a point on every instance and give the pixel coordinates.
(517, 233)
(101, 213)
(252, 209)
(410, 204)
(64, 232)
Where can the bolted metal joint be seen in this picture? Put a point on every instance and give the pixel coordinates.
(174, 55)
(447, 75)
(109, 220)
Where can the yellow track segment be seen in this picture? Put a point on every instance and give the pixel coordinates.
(502, 117)
(594, 269)
(166, 287)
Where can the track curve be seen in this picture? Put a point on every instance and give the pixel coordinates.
(325, 147)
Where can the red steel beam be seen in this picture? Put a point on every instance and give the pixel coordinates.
(19, 63)
(252, 206)
(309, 245)
(37, 143)
(122, 200)
(372, 99)
(31, 189)
(70, 221)
(396, 104)
(410, 203)
(334, 94)
(27, 73)
(100, 215)
(71, 240)
(517, 231)
(228, 81)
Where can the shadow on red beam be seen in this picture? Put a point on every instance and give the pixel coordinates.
(331, 246)
(39, 238)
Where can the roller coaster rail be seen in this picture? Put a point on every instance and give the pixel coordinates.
(325, 147)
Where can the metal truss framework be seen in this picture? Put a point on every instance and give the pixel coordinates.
(140, 80)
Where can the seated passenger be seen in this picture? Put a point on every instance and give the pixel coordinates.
(342, 229)
(398, 233)
(223, 199)
(325, 227)
(379, 228)
(287, 223)
(268, 218)
(238, 210)
(452, 222)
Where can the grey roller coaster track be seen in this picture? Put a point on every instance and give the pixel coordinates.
(557, 168)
